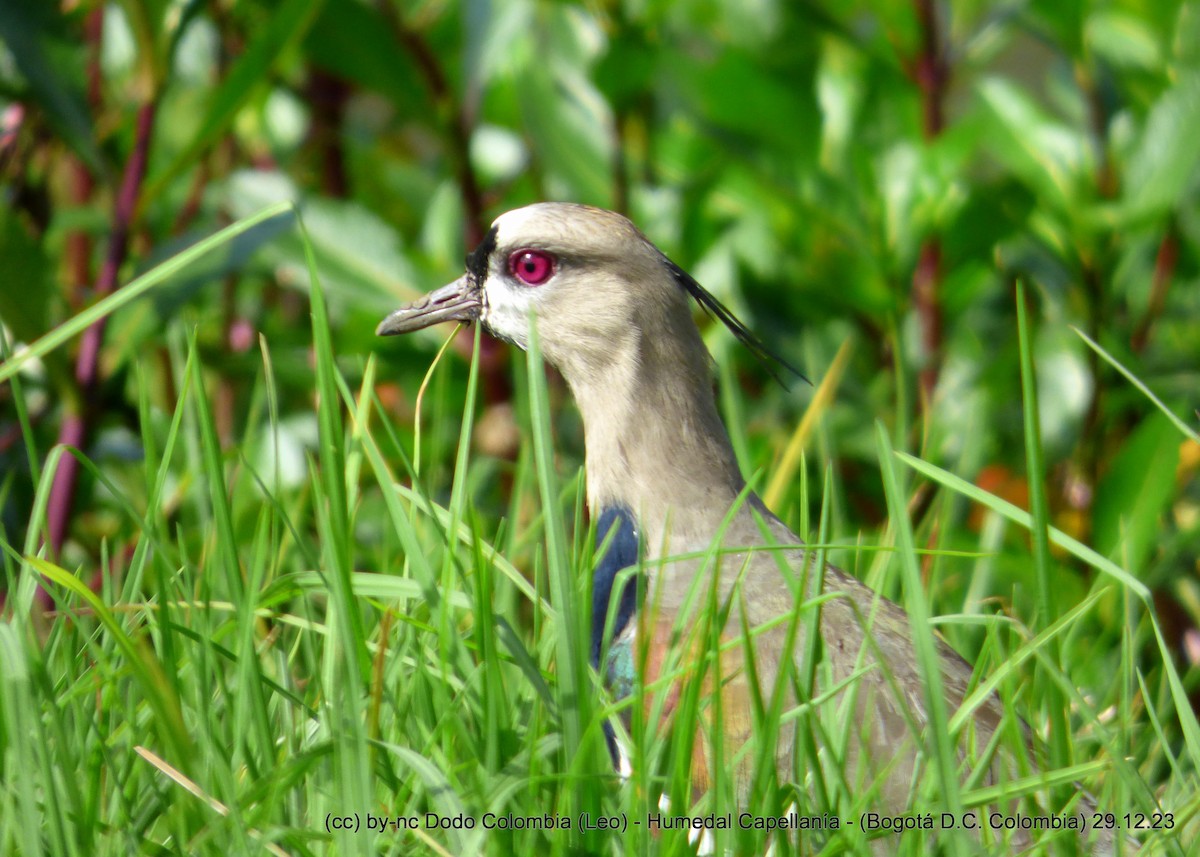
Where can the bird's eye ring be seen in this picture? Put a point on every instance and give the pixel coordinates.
(531, 267)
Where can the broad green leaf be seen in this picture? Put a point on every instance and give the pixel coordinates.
(736, 92)
(23, 302)
(354, 42)
(362, 259)
(1135, 492)
(1123, 39)
(569, 123)
(1064, 19)
(1163, 163)
(1187, 36)
(1046, 154)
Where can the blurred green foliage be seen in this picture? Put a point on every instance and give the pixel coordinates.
(879, 172)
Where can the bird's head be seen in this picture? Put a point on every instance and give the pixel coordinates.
(595, 284)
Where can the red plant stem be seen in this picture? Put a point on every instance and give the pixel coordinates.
(1164, 271)
(927, 279)
(931, 75)
(118, 244)
(77, 423)
(327, 96)
(93, 33)
(62, 491)
(77, 249)
(931, 72)
(77, 252)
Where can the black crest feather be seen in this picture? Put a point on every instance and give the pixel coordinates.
(477, 260)
(762, 352)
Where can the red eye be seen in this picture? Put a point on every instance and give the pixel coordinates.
(531, 267)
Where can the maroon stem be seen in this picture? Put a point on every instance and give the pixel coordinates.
(77, 424)
(77, 251)
(118, 244)
(930, 71)
(1164, 271)
(62, 491)
(931, 74)
(328, 95)
(927, 279)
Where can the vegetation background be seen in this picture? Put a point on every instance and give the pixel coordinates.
(223, 628)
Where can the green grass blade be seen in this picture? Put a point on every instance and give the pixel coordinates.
(1019, 516)
(135, 288)
(149, 672)
(1137, 382)
(924, 645)
(1039, 509)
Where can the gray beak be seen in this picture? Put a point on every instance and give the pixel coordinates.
(459, 301)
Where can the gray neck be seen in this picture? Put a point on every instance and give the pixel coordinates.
(655, 442)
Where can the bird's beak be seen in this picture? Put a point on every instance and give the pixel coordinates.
(459, 301)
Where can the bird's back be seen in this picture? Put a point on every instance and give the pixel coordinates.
(766, 603)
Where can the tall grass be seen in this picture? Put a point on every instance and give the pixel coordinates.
(328, 665)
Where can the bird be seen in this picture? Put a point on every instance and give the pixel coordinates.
(663, 485)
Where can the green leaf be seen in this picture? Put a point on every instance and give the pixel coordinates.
(1123, 39)
(737, 92)
(1047, 155)
(354, 42)
(569, 122)
(1133, 495)
(23, 260)
(1164, 160)
(362, 259)
(1064, 19)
